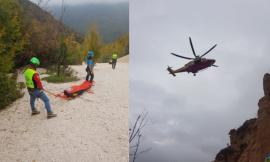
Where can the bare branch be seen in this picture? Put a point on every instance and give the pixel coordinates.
(134, 127)
(146, 150)
(138, 143)
(136, 133)
(141, 125)
(63, 10)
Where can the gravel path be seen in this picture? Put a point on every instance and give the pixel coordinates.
(92, 127)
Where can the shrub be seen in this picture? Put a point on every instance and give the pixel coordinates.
(9, 90)
(60, 79)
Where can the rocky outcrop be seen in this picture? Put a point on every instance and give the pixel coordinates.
(251, 141)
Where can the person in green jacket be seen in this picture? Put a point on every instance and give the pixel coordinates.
(114, 60)
(35, 88)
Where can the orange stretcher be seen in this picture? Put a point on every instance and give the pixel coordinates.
(74, 91)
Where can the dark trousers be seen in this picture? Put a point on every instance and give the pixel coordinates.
(90, 73)
(114, 63)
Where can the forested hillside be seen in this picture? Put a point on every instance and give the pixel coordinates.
(42, 33)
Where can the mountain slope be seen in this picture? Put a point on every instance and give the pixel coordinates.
(42, 32)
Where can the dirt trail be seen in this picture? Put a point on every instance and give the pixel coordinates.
(92, 127)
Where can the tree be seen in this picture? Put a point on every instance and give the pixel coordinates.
(62, 52)
(11, 38)
(68, 47)
(123, 42)
(120, 46)
(39, 43)
(93, 42)
(62, 56)
(11, 43)
(42, 33)
(73, 50)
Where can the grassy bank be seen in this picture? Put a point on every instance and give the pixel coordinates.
(60, 79)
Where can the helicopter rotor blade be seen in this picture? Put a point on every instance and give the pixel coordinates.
(190, 41)
(182, 56)
(209, 50)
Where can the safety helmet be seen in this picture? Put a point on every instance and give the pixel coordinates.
(90, 53)
(35, 61)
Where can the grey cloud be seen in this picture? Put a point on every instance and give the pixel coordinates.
(173, 126)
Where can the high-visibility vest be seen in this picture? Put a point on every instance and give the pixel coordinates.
(114, 56)
(28, 75)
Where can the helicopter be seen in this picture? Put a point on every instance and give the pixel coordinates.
(197, 64)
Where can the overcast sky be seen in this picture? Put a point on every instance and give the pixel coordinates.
(79, 2)
(190, 117)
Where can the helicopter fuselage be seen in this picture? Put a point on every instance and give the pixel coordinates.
(195, 66)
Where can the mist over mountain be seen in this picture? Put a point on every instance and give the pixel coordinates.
(111, 19)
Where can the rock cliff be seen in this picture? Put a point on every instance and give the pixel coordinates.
(251, 141)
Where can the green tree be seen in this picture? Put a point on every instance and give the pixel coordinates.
(120, 46)
(11, 44)
(67, 54)
(42, 43)
(62, 56)
(93, 42)
(73, 50)
(11, 39)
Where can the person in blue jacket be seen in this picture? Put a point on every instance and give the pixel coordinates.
(90, 66)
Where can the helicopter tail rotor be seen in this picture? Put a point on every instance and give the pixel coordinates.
(171, 71)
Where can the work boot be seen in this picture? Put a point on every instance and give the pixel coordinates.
(35, 112)
(51, 115)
